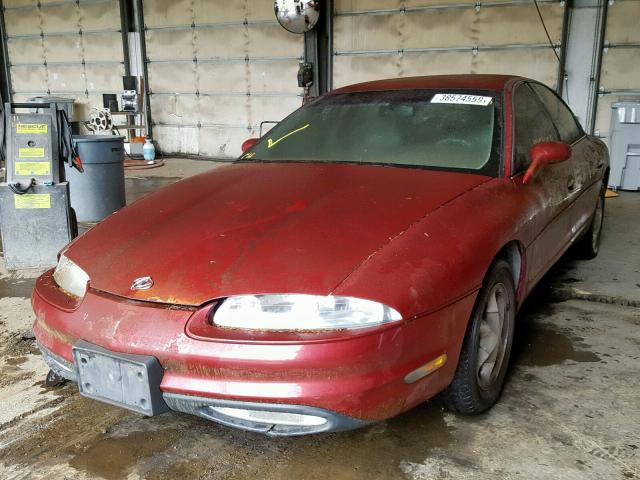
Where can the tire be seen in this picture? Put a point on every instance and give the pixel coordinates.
(73, 220)
(589, 245)
(477, 385)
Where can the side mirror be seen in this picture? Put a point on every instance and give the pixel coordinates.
(543, 154)
(247, 144)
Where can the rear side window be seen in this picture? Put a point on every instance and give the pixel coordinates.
(562, 117)
(532, 125)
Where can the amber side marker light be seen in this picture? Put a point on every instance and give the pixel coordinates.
(426, 369)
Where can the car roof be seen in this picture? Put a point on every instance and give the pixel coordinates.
(469, 81)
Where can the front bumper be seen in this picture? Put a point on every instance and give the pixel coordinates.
(273, 419)
(349, 381)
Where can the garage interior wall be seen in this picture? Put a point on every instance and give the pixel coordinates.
(64, 47)
(388, 38)
(217, 69)
(620, 73)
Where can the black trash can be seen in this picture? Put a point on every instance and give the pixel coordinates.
(99, 190)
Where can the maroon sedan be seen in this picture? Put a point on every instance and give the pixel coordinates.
(366, 254)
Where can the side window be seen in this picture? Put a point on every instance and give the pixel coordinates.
(531, 125)
(562, 117)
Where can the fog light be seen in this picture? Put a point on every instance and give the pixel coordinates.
(277, 418)
(426, 369)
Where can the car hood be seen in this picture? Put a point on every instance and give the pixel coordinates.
(259, 228)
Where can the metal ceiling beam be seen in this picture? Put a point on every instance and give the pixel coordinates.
(66, 64)
(562, 72)
(196, 26)
(445, 6)
(229, 93)
(57, 4)
(471, 49)
(126, 25)
(597, 64)
(227, 60)
(136, 24)
(74, 33)
(317, 50)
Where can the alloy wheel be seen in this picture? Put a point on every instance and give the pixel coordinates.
(493, 337)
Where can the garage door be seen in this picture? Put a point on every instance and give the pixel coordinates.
(620, 75)
(390, 38)
(66, 48)
(216, 70)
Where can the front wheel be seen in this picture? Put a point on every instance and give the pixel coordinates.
(484, 358)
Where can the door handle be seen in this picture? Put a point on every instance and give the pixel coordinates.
(571, 183)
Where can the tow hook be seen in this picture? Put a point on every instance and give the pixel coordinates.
(54, 380)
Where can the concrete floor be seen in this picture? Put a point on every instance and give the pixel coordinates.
(570, 409)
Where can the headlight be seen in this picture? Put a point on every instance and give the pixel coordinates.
(301, 312)
(70, 277)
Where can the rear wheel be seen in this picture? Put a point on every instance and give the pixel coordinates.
(484, 358)
(589, 245)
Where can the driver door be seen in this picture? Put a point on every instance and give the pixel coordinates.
(549, 194)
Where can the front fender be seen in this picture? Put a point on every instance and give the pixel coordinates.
(444, 256)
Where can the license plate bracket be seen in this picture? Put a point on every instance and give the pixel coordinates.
(120, 379)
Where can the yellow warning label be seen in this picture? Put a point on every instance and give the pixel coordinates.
(32, 128)
(33, 168)
(32, 200)
(31, 152)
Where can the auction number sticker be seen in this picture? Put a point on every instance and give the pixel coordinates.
(461, 99)
(32, 200)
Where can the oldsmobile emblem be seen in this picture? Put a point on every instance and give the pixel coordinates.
(142, 283)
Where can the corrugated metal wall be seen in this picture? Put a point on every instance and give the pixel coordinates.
(620, 75)
(216, 70)
(390, 38)
(65, 48)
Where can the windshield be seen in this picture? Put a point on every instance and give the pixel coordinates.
(441, 129)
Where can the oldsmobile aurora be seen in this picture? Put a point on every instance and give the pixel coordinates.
(369, 252)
